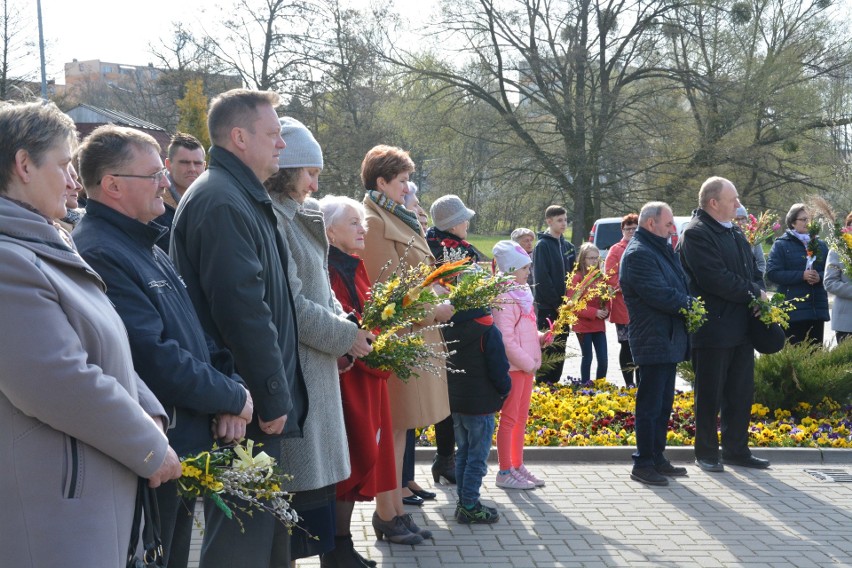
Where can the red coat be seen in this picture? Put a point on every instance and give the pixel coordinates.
(617, 308)
(588, 321)
(364, 393)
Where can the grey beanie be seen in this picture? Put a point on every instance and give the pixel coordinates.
(448, 211)
(303, 150)
(741, 212)
(509, 256)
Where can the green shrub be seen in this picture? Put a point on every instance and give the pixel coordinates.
(803, 373)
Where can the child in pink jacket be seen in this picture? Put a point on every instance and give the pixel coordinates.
(516, 321)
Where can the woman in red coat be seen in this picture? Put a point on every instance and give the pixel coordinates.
(364, 391)
(618, 311)
(591, 323)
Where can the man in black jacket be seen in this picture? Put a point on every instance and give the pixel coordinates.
(553, 260)
(194, 380)
(655, 290)
(722, 271)
(234, 262)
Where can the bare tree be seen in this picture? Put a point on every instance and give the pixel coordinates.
(16, 32)
(560, 75)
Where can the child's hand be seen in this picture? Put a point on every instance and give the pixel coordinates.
(545, 338)
(602, 314)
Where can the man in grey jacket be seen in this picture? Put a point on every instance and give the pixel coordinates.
(234, 262)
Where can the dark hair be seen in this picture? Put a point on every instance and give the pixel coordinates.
(793, 214)
(236, 108)
(183, 140)
(283, 182)
(108, 149)
(34, 127)
(554, 211)
(629, 219)
(384, 162)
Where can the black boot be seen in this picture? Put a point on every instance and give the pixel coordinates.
(344, 555)
(444, 466)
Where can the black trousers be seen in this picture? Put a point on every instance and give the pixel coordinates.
(724, 384)
(813, 330)
(554, 374)
(228, 544)
(176, 522)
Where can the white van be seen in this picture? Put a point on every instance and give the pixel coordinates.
(607, 231)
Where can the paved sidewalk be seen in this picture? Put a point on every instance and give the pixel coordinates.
(592, 514)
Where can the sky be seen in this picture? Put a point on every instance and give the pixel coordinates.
(121, 31)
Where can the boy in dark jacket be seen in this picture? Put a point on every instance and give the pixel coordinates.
(553, 260)
(475, 395)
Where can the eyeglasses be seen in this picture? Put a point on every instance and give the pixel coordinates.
(803, 219)
(629, 229)
(156, 177)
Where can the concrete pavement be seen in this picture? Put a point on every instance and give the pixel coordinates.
(591, 514)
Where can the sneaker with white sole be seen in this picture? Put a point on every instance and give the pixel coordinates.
(528, 475)
(513, 480)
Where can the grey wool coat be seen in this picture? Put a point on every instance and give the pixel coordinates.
(321, 457)
(839, 283)
(75, 426)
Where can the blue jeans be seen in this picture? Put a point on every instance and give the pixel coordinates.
(473, 437)
(597, 340)
(654, 399)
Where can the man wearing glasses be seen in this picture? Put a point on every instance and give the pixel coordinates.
(125, 180)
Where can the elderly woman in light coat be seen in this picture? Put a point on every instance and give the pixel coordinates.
(78, 425)
(320, 459)
(838, 281)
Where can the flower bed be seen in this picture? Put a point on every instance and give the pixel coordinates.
(601, 414)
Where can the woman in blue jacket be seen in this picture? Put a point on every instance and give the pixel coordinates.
(798, 279)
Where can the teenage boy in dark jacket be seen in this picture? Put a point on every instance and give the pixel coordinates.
(553, 260)
(475, 395)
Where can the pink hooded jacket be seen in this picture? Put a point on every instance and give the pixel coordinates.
(516, 321)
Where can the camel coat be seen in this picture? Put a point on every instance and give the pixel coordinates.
(423, 400)
(75, 430)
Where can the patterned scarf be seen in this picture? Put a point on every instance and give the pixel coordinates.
(406, 216)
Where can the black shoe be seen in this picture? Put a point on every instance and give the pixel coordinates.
(423, 494)
(666, 468)
(444, 466)
(413, 500)
(749, 461)
(344, 555)
(710, 465)
(648, 476)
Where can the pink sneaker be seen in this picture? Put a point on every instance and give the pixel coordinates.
(512, 480)
(524, 473)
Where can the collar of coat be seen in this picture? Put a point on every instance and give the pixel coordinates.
(27, 229)
(144, 235)
(222, 159)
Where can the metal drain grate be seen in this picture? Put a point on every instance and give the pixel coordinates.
(835, 475)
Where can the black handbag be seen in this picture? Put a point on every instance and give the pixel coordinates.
(765, 339)
(152, 546)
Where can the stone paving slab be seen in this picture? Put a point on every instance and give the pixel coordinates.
(593, 514)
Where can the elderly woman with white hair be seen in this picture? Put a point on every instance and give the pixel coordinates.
(366, 408)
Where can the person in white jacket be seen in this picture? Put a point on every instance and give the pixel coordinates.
(838, 281)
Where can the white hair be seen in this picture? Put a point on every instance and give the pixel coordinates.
(333, 208)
